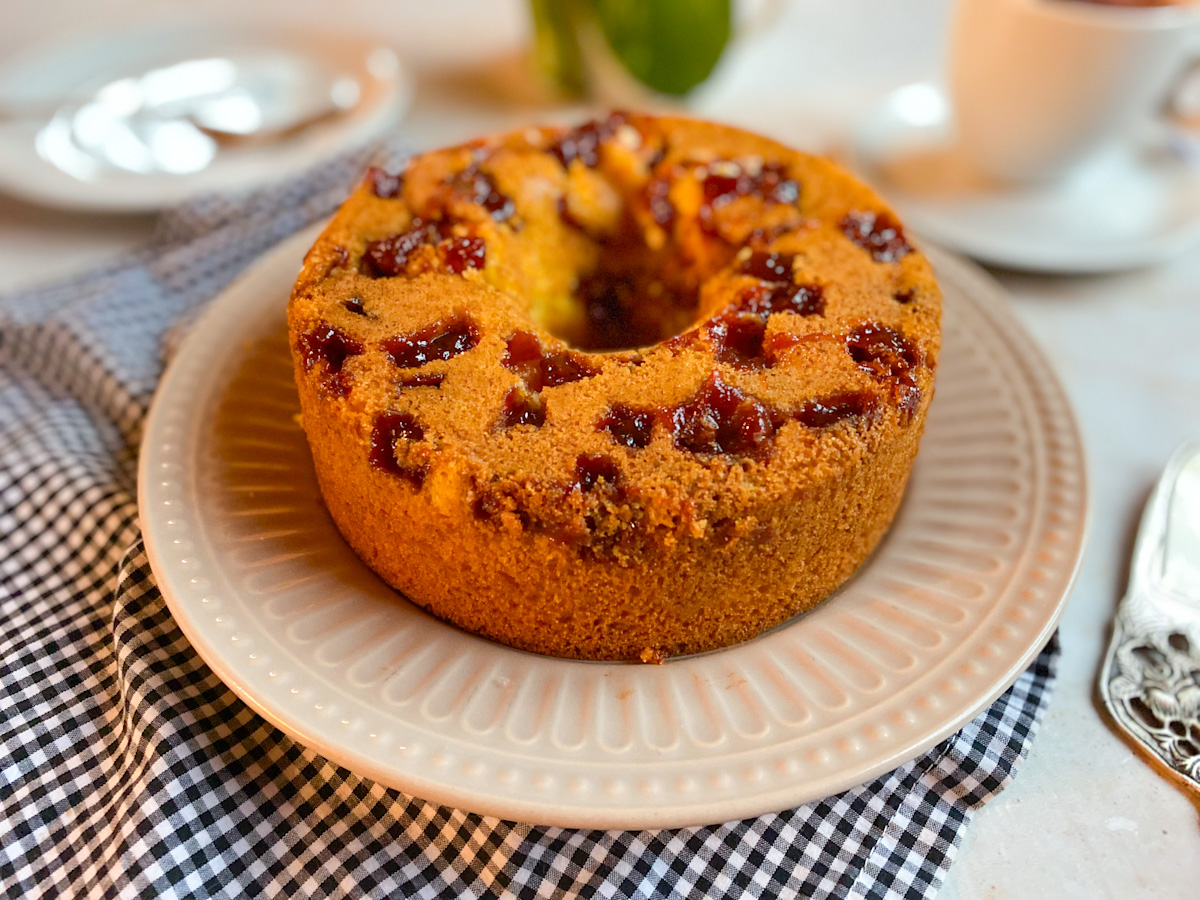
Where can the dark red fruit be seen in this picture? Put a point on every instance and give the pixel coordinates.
(877, 233)
(441, 340)
(383, 183)
(801, 299)
(388, 256)
(771, 183)
(658, 201)
(389, 428)
(330, 346)
(540, 369)
(583, 142)
(593, 469)
(769, 266)
(464, 253)
(627, 426)
(523, 350)
(731, 181)
(479, 187)
(523, 408)
(882, 351)
(721, 419)
(737, 340)
(421, 379)
(830, 410)
(562, 368)
(908, 398)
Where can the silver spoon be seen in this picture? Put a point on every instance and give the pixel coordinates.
(175, 118)
(1150, 680)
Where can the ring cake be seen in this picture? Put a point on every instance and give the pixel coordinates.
(642, 388)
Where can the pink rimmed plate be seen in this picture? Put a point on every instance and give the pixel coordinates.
(962, 594)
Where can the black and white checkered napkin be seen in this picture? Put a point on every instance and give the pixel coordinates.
(129, 770)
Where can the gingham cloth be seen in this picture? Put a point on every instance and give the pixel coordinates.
(129, 770)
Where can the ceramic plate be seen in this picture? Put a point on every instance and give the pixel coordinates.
(1135, 204)
(38, 162)
(962, 594)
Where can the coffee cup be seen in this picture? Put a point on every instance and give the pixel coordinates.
(1038, 86)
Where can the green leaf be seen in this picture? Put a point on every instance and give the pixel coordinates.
(669, 45)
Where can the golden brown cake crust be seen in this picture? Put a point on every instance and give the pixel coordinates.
(643, 388)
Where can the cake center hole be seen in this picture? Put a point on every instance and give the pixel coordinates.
(632, 297)
(624, 309)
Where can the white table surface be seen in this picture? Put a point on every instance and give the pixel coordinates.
(1086, 817)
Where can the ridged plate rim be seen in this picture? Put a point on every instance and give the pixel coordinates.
(722, 768)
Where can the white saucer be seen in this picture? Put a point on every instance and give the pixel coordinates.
(70, 68)
(1132, 205)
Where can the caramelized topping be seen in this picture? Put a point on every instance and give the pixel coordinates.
(389, 428)
(634, 295)
(721, 419)
(441, 340)
(877, 233)
(628, 426)
(383, 183)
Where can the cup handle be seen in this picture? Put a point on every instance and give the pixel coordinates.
(1181, 109)
(1183, 99)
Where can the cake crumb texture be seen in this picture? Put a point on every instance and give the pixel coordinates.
(640, 388)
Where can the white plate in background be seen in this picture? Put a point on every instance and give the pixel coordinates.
(71, 69)
(1136, 204)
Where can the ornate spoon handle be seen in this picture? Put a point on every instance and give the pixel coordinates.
(1150, 679)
